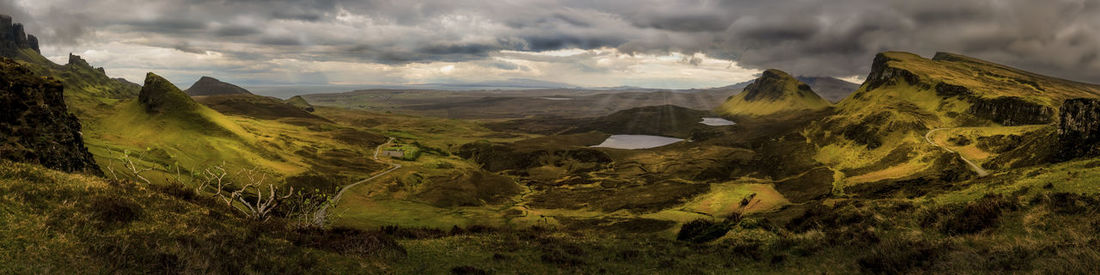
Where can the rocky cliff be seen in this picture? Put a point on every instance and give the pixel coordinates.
(1011, 111)
(13, 38)
(35, 124)
(1079, 128)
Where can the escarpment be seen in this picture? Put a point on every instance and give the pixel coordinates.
(1079, 128)
(35, 124)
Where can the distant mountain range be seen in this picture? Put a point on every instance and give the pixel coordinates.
(830, 88)
(212, 86)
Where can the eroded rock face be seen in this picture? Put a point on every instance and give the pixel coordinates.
(36, 126)
(883, 74)
(1011, 111)
(77, 61)
(1079, 128)
(13, 38)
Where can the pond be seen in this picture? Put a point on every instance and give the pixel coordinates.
(637, 141)
(716, 121)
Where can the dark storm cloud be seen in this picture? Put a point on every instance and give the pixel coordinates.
(837, 38)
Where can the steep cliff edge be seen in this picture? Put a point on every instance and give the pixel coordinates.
(1079, 128)
(36, 126)
(13, 38)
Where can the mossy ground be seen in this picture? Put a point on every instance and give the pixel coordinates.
(69, 223)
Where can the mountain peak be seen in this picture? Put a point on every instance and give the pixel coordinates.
(212, 86)
(772, 85)
(775, 92)
(160, 96)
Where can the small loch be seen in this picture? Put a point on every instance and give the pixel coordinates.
(716, 121)
(637, 141)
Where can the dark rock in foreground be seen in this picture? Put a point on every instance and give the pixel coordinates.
(35, 124)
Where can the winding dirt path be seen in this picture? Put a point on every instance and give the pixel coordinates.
(977, 169)
(321, 215)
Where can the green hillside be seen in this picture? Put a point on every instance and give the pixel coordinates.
(878, 133)
(774, 93)
(88, 91)
(166, 129)
(301, 103)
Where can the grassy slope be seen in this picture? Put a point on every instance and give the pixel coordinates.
(390, 200)
(973, 151)
(66, 223)
(88, 92)
(300, 102)
(115, 123)
(995, 80)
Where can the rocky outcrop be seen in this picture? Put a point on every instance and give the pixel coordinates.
(77, 62)
(884, 74)
(160, 96)
(1007, 111)
(1011, 111)
(13, 38)
(770, 86)
(35, 124)
(212, 86)
(948, 90)
(1079, 128)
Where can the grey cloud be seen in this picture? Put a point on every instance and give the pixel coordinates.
(837, 38)
(229, 31)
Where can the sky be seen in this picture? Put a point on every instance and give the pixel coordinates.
(644, 43)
